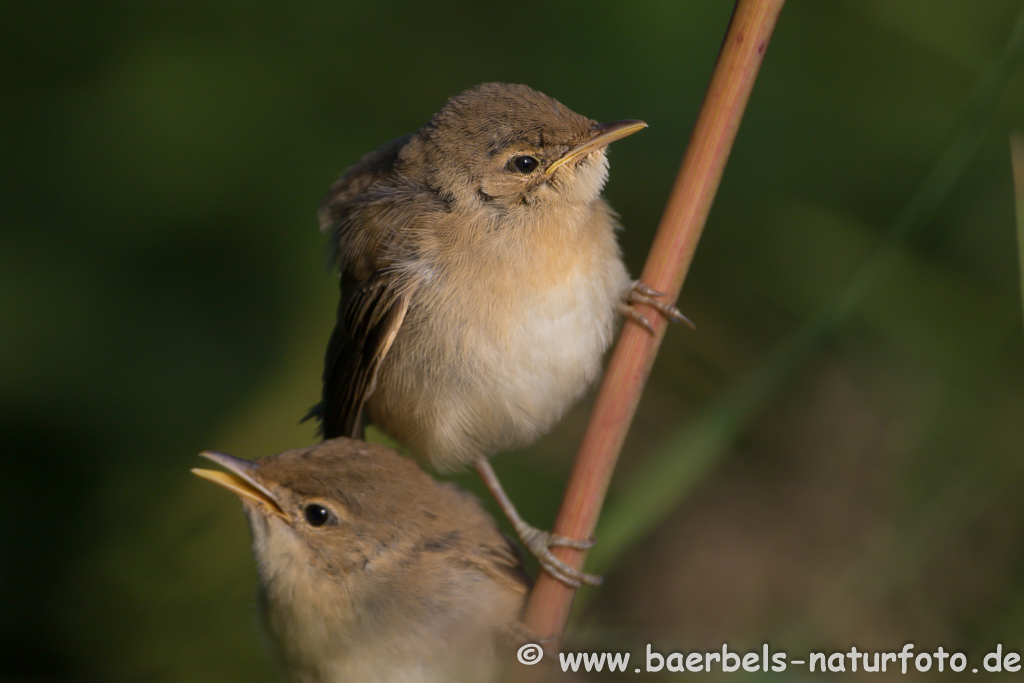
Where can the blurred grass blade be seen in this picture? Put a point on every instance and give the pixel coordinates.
(1017, 161)
(683, 459)
(680, 462)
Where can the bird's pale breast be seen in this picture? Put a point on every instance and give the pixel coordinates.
(504, 350)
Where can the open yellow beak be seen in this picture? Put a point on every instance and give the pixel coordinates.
(240, 481)
(604, 134)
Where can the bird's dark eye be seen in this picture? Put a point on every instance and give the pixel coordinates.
(525, 164)
(317, 515)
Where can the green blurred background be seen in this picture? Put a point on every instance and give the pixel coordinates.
(163, 290)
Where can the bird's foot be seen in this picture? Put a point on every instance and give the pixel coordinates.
(536, 541)
(640, 293)
(540, 543)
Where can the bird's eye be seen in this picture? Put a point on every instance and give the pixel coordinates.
(525, 164)
(316, 515)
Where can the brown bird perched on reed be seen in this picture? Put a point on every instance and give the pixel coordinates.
(480, 281)
(372, 571)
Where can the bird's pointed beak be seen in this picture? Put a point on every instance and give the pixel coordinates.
(604, 134)
(240, 481)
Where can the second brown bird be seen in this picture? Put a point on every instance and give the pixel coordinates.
(372, 571)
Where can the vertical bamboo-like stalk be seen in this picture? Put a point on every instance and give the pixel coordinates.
(1017, 162)
(669, 259)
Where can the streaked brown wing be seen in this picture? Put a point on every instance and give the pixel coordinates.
(369, 317)
(370, 213)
